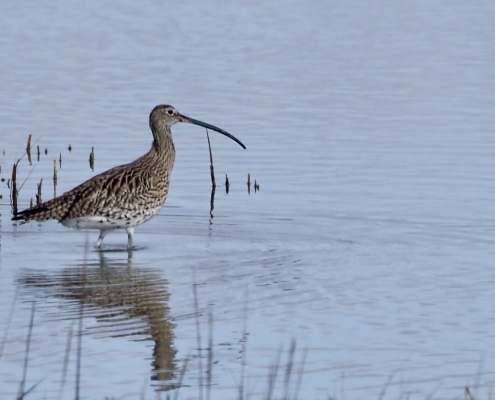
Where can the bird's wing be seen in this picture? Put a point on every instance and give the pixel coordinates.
(110, 190)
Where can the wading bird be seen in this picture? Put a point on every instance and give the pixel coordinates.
(125, 196)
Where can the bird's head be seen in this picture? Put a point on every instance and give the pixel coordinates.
(162, 117)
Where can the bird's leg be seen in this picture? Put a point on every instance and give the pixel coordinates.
(130, 234)
(103, 233)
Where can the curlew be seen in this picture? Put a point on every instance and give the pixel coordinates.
(125, 196)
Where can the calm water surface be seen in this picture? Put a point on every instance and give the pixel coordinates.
(371, 242)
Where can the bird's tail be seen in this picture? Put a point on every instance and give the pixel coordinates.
(48, 210)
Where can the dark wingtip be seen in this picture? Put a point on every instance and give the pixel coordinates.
(21, 215)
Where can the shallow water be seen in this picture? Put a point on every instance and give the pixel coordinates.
(370, 243)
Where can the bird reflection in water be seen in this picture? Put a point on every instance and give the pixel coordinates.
(125, 300)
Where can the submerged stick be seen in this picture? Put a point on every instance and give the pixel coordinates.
(288, 368)
(469, 395)
(209, 372)
(272, 376)
(181, 377)
(26, 358)
(81, 315)
(198, 337)
(2, 344)
(301, 372)
(66, 360)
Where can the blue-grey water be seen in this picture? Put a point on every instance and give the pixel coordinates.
(370, 128)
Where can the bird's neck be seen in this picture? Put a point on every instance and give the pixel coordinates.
(162, 138)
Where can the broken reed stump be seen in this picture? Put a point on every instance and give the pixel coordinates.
(13, 189)
(28, 149)
(55, 178)
(212, 170)
(256, 185)
(92, 159)
(38, 148)
(213, 183)
(212, 203)
(38, 196)
(227, 184)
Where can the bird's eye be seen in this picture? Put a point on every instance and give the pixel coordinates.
(170, 112)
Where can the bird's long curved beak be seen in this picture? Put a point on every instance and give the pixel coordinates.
(183, 118)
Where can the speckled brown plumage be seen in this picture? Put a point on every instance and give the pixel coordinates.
(125, 196)
(129, 188)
